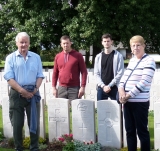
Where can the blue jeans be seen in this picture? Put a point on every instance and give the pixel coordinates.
(101, 95)
(136, 122)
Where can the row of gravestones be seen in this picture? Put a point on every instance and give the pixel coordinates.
(46, 93)
(90, 91)
(110, 127)
(48, 76)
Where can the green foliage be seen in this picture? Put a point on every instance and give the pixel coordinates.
(69, 147)
(26, 142)
(40, 19)
(94, 18)
(85, 21)
(11, 142)
(42, 146)
(48, 55)
(1, 136)
(151, 113)
(82, 146)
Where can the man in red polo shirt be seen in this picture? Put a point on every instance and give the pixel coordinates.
(68, 65)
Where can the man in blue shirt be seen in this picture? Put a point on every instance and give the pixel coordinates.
(23, 72)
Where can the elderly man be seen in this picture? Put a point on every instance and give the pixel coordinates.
(23, 72)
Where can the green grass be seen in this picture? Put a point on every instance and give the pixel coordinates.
(150, 124)
(151, 128)
(46, 64)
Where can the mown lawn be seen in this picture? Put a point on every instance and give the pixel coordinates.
(151, 128)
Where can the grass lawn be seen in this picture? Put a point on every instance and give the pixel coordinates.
(151, 128)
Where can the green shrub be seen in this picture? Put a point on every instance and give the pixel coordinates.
(88, 146)
(26, 142)
(69, 147)
(11, 142)
(1, 136)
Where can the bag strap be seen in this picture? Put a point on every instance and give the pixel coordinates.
(134, 69)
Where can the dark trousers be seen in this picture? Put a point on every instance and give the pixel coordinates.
(70, 93)
(17, 108)
(136, 122)
(101, 95)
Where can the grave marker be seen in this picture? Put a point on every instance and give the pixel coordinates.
(58, 117)
(83, 120)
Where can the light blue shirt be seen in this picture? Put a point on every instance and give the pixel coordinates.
(24, 72)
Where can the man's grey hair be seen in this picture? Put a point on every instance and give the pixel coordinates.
(22, 34)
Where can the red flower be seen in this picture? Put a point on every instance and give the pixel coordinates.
(71, 135)
(91, 142)
(61, 139)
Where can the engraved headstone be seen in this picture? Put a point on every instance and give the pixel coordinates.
(83, 120)
(7, 127)
(109, 123)
(58, 118)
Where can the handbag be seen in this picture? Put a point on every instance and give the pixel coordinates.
(117, 95)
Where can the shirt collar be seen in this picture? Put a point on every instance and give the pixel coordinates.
(28, 54)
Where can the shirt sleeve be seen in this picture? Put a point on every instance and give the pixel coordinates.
(8, 69)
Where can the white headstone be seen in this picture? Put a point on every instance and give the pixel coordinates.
(83, 120)
(156, 79)
(58, 118)
(42, 91)
(47, 78)
(157, 125)
(2, 74)
(7, 127)
(4, 90)
(50, 76)
(91, 79)
(42, 122)
(154, 95)
(91, 92)
(48, 92)
(109, 123)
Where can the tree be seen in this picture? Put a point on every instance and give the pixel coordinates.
(84, 20)
(123, 19)
(40, 19)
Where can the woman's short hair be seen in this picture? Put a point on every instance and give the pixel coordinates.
(137, 38)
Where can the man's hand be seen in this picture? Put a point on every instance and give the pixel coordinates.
(81, 92)
(55, 92)
(24, 93)
(106, 89)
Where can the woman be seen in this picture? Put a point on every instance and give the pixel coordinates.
(134, 90)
